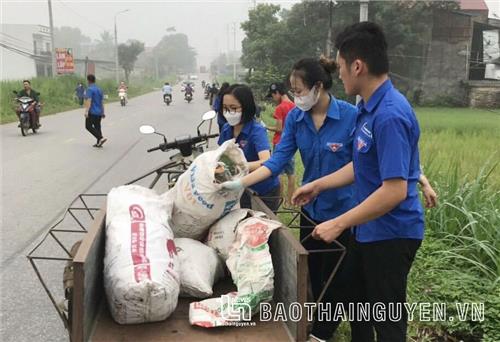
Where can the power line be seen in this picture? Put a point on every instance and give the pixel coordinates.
(81, 16)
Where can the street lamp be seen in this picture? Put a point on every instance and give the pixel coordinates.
(116, 47)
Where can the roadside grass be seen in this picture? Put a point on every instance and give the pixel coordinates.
(57, 95)
(459, 261)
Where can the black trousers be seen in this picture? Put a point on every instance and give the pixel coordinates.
(271, 199)
(377, 272)
(93, 125)
(321, 266)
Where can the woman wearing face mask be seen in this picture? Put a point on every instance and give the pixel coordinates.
(239, 110)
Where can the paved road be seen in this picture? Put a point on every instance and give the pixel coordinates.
(42, 173)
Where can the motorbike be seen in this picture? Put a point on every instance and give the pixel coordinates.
(188, 97)
(122, 94)
(167, 98)
(27, 114)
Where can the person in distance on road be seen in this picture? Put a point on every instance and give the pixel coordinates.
(94, 110)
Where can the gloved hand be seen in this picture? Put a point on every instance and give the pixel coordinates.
(235, 185)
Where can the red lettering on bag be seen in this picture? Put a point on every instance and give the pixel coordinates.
(142, 268)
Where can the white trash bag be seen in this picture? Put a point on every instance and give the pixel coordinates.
(198, 198)
(222, 233)
(141, 267)
(200, 268)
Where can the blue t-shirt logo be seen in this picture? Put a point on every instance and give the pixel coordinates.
(335, 146)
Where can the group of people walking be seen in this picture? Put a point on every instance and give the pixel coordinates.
(361, 174)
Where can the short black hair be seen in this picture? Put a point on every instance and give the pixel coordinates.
(27, 81)
(314, 70)
(223, 89)
(91, 78)
(244, 95)
(365, 41)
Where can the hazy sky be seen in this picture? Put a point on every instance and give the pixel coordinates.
(204, 21)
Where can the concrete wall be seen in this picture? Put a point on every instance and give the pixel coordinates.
(484, 94)
(446, 64)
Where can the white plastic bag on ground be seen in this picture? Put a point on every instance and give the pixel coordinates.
(141, 271)
(251, 268)
(222, 233)
(200, 268)
(198, 198)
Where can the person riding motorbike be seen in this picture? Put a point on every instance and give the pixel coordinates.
(123, 88)
(188, 90)
(167, 91)
(203, 84)
(31, 93)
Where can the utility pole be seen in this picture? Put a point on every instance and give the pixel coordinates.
(363, 10)
(234, 52)
(328, 49)
(53, 52)
(117, 77)
(363, 16)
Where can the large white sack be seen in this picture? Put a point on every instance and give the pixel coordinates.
(222, 233)
(141, 271)
(198, 199)
(200, 268)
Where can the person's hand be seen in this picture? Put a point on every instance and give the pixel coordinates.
(235, 185)
(103, 116)
(430, 196)
(328, 231)
(86, 114)
(305, 194)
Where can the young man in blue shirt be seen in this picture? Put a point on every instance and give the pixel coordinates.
(94, 110)
(388, 218)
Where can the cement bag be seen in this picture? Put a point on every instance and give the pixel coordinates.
(251, 268)
(141, 268)
(198, 197)
(250, 261)
(222, 233)
(200, 268)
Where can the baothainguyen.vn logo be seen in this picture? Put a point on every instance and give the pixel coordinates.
(378, 312)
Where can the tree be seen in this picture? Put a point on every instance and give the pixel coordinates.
(174, 54)
(127, 55)
(104, 48)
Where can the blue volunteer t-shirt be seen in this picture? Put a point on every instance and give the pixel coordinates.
(386, 147)
(94, 93)
(252, 140)
(323, 152)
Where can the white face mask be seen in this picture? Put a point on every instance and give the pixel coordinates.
(306, 102)
(233, 118)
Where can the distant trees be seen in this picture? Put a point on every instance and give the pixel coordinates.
(127, 55)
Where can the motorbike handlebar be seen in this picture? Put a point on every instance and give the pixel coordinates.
(183, 142)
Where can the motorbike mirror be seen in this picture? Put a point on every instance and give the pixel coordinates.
(209, 115)
(15, 92)
(146, 129)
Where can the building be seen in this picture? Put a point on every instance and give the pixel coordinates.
(25, 51)
(463, 59)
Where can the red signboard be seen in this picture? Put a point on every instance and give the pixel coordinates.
(64, 61)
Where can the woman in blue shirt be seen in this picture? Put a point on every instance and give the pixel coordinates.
(238, 107)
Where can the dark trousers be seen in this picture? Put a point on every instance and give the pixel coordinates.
(80, 101)
(321, 266)
(93, 125)
(377, 273)
(270, 199)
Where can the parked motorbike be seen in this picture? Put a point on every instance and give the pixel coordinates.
(27, 114)
(122, 94)
(167, 98)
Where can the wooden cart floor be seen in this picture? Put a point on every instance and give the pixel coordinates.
(177, 327)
